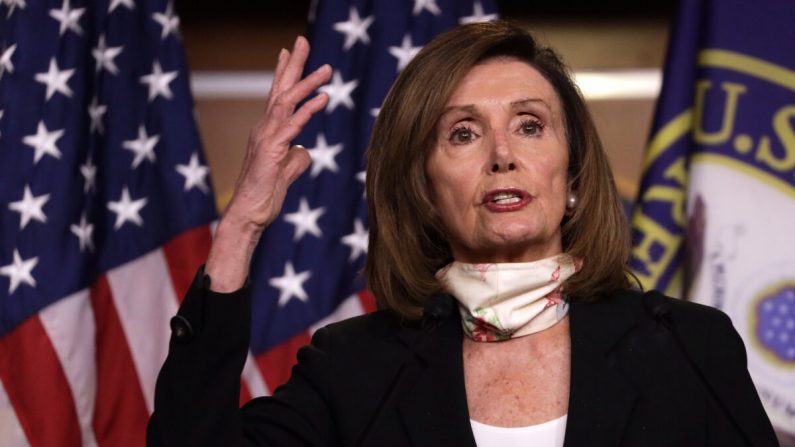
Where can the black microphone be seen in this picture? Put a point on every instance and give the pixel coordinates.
(659, 308)
(437, 309)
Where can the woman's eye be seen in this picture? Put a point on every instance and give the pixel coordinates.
(462, 135)
(531, 128)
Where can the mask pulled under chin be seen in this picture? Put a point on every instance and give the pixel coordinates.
(503, 301)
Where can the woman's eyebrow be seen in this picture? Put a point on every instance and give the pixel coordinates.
(530, 101)
(472, 109)
(467, 108)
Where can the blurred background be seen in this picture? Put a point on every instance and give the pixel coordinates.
(232, 49)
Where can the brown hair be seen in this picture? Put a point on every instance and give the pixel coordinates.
(408, 242)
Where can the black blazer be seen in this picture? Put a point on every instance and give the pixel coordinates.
(646, 371)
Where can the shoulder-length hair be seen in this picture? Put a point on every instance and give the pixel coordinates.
(408, 242)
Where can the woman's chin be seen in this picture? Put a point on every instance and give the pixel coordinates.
(504, 249)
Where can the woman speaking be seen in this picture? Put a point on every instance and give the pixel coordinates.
(497, 257)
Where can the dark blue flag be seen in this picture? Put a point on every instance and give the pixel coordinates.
(713, 222)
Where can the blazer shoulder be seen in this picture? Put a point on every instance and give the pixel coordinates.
(656, 305)
(621, 313)
(685, 313)
(370, 330)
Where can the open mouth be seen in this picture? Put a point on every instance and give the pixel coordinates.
(507, 199)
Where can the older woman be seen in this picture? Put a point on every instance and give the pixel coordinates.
(497, 256)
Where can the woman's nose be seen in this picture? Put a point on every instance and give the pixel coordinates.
(502, 167)
(502, 154)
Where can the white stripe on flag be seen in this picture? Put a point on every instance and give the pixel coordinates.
(351, 307)
(253, 378)
(144, 298)
(11, 434)
(69, 324)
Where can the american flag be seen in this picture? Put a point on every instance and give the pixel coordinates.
(306, 270)
(105, 208)
(105, 204)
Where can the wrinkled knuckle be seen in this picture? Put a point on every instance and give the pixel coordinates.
(282, 100)
(291, 122)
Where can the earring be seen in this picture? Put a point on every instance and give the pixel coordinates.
(571, 200)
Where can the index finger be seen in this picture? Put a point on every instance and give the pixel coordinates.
(294, 66)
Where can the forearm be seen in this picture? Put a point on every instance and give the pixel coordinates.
(231, 252)
(198, 388)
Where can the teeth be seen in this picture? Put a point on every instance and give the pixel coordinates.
(505, 198)
(508, 200)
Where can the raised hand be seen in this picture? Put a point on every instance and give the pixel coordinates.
(270, 166)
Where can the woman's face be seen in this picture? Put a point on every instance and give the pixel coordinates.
(498, 170)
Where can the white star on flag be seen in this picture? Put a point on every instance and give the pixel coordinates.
(1, 117)
(430, 5)
(89, 172)
(83, 231)
(105, 55)
(323, 155)
(195, 174)
(478, 15)
(68, 18)
(357, 240)
(405, 52)
(305, 220)
(5, 60)
(362, 177)
(56, 79)
(143, 147)
(96, 111)
(43, 142)
(19, 272)
(339, 92)
(127, 209)
(30, 208)
(158, 82)
(291, 284)
(12, 4)
(354, 29)
(167, 20)
(129, 4)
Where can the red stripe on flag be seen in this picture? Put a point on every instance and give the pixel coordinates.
(276, 363)
(245, 393)
(367, 299)
(184, 254)
(36, 385)
(120, 414)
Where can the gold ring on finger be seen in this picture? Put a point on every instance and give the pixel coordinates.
(296, 146)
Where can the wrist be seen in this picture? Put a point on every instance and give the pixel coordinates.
(239, 227)
(230, 255)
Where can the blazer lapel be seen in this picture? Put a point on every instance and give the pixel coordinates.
(600, 399)
(434, 406)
